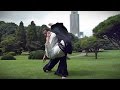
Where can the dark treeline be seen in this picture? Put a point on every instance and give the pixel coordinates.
(18, 38)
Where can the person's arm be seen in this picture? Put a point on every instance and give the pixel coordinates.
(48, 37)
(44, 58)
(47, 42)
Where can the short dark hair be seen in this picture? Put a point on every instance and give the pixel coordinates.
(47, 29)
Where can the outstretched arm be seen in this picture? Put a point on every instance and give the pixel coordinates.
(44, 58)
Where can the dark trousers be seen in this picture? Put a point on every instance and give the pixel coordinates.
(62, 67)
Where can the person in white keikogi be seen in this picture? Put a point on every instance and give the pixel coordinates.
(55, 54)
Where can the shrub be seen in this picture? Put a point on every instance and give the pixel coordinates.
(36, 54)
(8, 57)
(12, 53)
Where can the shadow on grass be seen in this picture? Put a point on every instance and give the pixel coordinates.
(117, 66)
(81, 73)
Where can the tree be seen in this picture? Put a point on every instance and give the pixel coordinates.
(109, 29)
(31, 32)
(41, 37)
(2, 23)
(7, 36)
(7, 29)
(84, 44)
(8, 43)
(32, 38)
(76, 46)
(21, 36)
(96, 44)
(75, 42)
(91, 44)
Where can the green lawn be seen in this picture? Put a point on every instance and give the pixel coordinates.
(107, 66)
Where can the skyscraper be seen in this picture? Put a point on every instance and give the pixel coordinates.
(74, 23)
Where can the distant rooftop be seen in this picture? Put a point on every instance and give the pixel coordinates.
(74, 12)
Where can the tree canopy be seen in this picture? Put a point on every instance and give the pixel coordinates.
(18, 38)
(109, 29)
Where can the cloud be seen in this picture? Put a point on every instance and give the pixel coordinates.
(54, 17)
(88, 19)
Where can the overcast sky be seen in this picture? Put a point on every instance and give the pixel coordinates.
(88, 19)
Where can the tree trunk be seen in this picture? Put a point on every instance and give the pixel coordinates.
(96, 53)
(86, 52)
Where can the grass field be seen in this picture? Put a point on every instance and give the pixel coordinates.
(107, 66)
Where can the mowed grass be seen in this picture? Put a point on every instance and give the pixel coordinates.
(107, 66)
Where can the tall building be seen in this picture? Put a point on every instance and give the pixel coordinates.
(74, 23)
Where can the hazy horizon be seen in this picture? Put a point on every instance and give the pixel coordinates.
(87, 19)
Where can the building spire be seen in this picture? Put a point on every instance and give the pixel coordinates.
(74, 12)
(74, 23)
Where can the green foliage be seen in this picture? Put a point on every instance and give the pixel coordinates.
(8, 43)
(31, 32)
(36, 54)
(109, 46)
(110, 30)
(12, 53)
(7, 29)
(77, 46)
(74, 38)
(8, 57)
(75, 42)
(84, 43)
(41, 37)
(21, 36)
(32, 38)
(10, 39)
(108, 23)
(91, 44)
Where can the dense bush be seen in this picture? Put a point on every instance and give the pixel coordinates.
(36, 54)
(12, 53)
(9, 53)
(8, 57)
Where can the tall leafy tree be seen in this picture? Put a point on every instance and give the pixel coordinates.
(32, 37)
(7, 29)
(92, 44)
(109, 29)
(31, 32)
(8, 43)
(2, 23)
(41, 37)
(21, 35)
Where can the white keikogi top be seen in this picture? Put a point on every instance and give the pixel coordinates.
(52, 49)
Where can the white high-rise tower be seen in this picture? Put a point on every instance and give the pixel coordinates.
(74, 23)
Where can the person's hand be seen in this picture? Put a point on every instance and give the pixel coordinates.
(50, 24)
(44, 58)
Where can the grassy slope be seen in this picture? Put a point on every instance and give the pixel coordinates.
(80, 67)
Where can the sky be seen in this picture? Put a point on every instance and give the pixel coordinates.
(87, 19)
